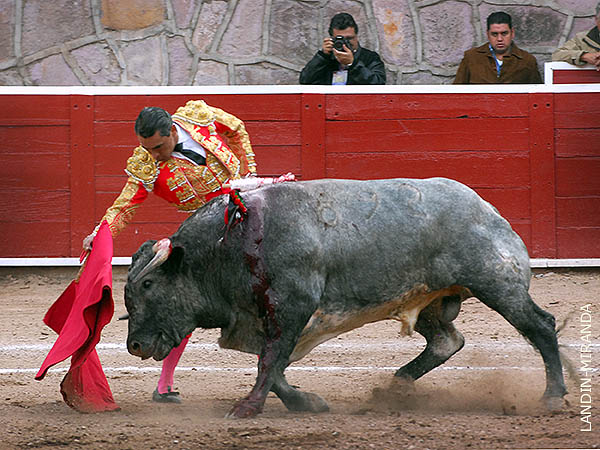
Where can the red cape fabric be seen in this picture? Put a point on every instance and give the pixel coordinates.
(78, 316)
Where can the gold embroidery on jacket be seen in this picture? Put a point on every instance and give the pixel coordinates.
(142, 167)
(193, 182)
(122, 210)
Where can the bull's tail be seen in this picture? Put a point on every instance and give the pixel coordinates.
(567, 362)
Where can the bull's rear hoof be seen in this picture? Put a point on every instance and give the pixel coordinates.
(554, 404)
(307, 402)
(243, 409)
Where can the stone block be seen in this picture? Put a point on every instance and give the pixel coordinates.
(211, 16)
(577, 7)
(447, 32)
(425, 77)
(396, 32)
(132, 14)
(99, 64)
(581, 25)
(49, 23)
(294, 35)
(184, 10)
(211, 73)
(244, 37)
(534, 26)
(7, 29)
(52, 71)
(265, 73)
(10, 77)
(144, 62)
(180, 62)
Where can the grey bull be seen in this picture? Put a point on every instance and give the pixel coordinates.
(315, 259)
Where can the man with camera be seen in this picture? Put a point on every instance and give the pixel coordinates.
(341, 59)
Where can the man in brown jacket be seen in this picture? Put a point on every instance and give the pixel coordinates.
(499, 60)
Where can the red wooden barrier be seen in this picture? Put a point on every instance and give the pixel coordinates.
(533, 155)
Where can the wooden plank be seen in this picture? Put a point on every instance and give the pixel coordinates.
(577, 177)
(541, 163)
(29, 140)
(513, 203)
(272, 107)
(477, 170)
(313, 136)
(110, 185)
(523, 229)
(578, 212)
(577, 142)
(428, 135)
(578, 242)
(378, 107)
(35, 239)
(82, 169)
(274, 133)
(575, 76)
(277, 160)
(577, 102)
(34, 171)
(114, 135)
(34, 110)
(127, 243)
(577, 110)
(34, 205)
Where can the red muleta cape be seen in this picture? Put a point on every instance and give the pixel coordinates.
(78, 316)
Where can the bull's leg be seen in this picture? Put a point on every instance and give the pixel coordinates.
(296, 400)
(443, 340)
(272, 360)
(537, 326)
(282, 327)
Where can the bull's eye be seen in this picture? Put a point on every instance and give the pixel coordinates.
(147, 284)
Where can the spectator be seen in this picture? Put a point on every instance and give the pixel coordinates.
(584, 48)
(499, 60)
(341, 59)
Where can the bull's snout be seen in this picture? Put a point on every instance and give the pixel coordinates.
(135, 348)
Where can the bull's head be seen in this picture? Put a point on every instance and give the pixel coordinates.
(155, 297)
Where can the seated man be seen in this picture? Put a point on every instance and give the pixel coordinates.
(341, 59)
(584, 48)
(186, 159)
(499, 60)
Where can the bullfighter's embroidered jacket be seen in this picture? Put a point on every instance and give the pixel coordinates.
(180, 181)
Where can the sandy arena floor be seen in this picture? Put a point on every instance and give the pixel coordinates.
(485, 397)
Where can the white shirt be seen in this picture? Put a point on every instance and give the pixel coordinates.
(188, 143)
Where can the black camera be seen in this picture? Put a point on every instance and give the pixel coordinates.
(339, 42)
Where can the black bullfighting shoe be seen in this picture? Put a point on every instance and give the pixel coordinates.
(168, 397)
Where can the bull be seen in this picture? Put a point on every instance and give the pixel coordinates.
(315, 259)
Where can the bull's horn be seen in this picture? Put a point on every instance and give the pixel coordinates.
(162, 250)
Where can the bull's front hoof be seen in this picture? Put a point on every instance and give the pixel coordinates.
(244, 409)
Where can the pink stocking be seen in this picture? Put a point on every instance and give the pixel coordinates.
(168, 368)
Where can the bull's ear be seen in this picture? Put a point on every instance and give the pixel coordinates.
(174, 262)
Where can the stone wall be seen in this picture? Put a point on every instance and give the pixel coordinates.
(241, 42)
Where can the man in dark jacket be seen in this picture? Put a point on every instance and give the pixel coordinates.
(342, 60)
(499, 60)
